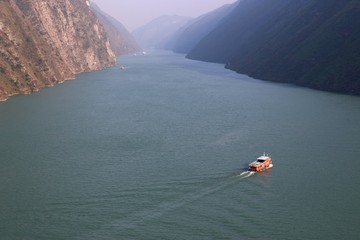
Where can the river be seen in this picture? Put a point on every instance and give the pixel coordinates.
(156, 151)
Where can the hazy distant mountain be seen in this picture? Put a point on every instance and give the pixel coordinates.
(122, 42)
(159, 31)
(186, 38)
(307, 42)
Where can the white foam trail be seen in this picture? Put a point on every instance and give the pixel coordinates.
(243, 173)
(138, 218)
(246, 174)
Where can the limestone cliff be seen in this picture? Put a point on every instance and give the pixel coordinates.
(122, 42)
(44, 42)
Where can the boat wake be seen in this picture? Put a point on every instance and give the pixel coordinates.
(137, 218)
(246, 174)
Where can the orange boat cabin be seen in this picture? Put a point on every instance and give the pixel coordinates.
(263, 162)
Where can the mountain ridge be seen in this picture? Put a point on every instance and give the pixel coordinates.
(188, 36)
(158, 32)
(305, 42)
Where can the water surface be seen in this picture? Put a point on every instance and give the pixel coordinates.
(155, 151)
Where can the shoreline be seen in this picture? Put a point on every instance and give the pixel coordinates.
(6, 97)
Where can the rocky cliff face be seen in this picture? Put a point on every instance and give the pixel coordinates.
(122, 42)
(44, 42)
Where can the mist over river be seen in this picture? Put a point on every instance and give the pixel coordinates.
(155, 151)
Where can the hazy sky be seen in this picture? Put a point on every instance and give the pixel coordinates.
(135, 13)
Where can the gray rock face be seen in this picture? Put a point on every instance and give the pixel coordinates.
(44, 42)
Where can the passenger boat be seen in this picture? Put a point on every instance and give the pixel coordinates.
(262, 163)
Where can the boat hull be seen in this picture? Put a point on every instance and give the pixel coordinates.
(260, 169)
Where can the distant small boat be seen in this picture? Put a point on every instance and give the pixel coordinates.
(262, 163)
(122, 67)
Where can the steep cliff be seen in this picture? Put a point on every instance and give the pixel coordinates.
(44, 42)
(187, 37)
(122, 42)
(306, 42)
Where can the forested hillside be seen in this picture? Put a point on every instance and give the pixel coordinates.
(306, 42)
